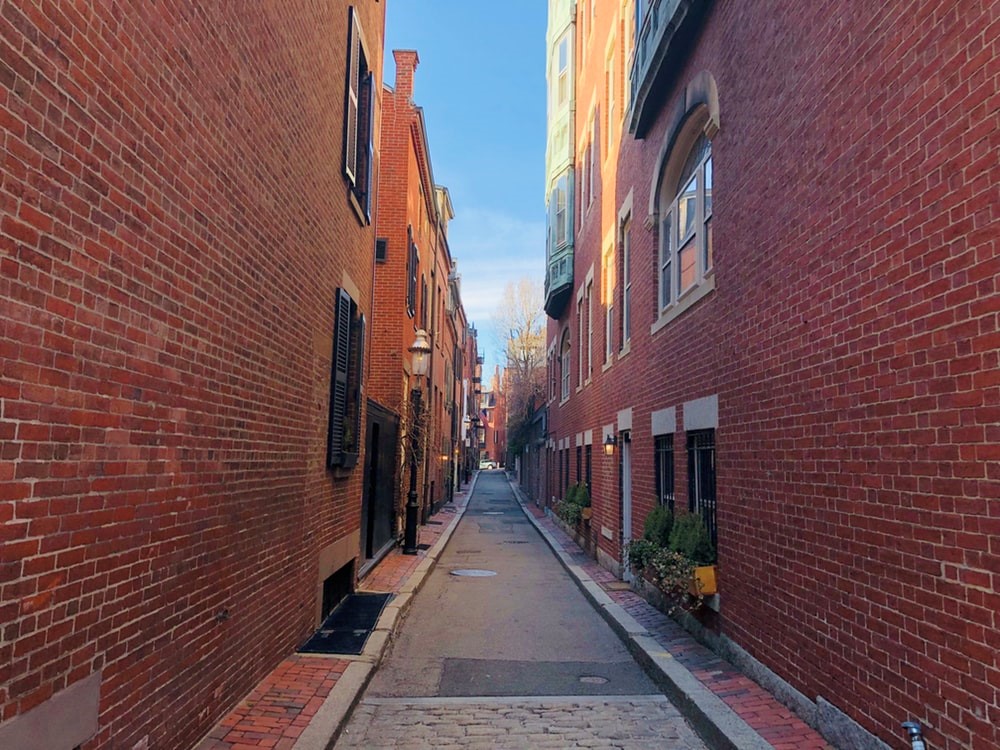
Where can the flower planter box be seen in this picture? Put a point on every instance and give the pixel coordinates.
(704, 581)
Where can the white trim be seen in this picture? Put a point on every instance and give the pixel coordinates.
(579, 439)
(664, 421)
(588, 437)
(625, 419)
(701, 413)
(690, 297)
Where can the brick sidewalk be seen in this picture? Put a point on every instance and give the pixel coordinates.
(276, 713)
(769, 718)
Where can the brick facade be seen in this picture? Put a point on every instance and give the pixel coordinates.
(174, 223)
(414, 211)
(844, 343)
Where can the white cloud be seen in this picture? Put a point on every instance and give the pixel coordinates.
(493, 248)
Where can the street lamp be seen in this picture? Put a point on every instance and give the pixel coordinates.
(609, 445)
(420, 358)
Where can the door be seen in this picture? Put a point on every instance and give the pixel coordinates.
(626, 483)
(378, 501)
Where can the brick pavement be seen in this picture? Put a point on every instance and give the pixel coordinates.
(772, 720)
(626, 723)
(276, 713)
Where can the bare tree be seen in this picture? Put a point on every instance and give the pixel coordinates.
(519, 322)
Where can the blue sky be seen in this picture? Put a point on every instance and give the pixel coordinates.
(481, 83)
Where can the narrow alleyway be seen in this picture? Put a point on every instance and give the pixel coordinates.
(510, 657)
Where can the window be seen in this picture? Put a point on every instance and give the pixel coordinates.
(663, 462)
(626, 243)
(579, 464)
(588, 468)
(562, 86)
(686, 227)
(359, 118)
(345, 383)
(701, 477)
(593, 153)
(559, 205)
(564, 364)
(590, 328)
(609, 310)
(423, 303)
(609, 84)
(580, 327)
(381, 249)
(411, 275)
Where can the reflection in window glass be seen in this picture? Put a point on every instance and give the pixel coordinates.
(687, 262)
(686, 209)
(708, 187)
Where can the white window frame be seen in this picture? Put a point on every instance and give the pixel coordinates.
(565, 360)
(609, 308)
(672, 297)
(626, 312)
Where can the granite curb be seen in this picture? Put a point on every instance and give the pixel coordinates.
(326, 724)
(719, 726)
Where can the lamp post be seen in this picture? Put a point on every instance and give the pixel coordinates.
(420, 358)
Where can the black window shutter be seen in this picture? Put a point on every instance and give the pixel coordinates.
(381, 249)
(338, 378)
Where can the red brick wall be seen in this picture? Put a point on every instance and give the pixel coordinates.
(852, 341)
(173, 225)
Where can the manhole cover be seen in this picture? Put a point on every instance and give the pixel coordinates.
(593, 680)
(473, 572)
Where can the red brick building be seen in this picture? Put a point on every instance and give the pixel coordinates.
(814, 372)
(186, 253)
(416, 287)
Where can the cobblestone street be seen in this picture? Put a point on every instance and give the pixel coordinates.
(630, 723)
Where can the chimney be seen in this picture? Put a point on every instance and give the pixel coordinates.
(406, 63)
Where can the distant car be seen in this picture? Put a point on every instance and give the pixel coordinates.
(487, 464)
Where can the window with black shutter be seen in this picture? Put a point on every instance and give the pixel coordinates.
(381, 249)
(411, 274)
(359, 118)
(343, 439)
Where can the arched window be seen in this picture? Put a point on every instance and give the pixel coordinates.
(564, 363)
(686, 221)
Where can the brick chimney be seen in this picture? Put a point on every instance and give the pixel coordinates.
(406, 62)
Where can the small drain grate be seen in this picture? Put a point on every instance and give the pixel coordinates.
(473, 573)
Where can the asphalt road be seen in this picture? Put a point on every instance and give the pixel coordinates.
(512, 656)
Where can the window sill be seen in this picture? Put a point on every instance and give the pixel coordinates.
(564, 400)
(607, 364)
(626, 348)
(688, 300)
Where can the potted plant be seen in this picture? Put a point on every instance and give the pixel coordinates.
(690, 538)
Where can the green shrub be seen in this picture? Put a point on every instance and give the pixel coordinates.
(639, 553)
(570, 496)
(569, 512)
(689, 537)
(658, 524)
(582, 495)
